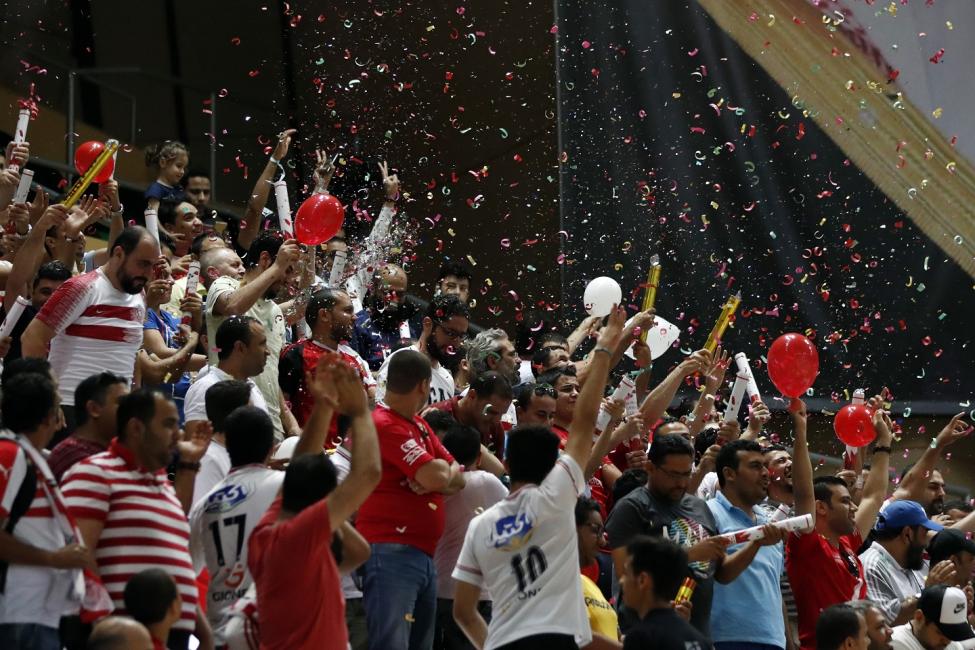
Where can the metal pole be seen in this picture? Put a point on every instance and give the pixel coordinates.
(213, 146)
(70, 153)
(132, 125)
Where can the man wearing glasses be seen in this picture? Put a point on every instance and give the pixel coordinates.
(663, 507)
(444, 329)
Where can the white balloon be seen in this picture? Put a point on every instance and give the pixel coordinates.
(601, 295)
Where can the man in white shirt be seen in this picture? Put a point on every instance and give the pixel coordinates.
(40, 557)
(222, 399)
(481, 491)
(940, 622)
(444, 330)
(242, 342)
(93, 322)
(523, 550)
(222, 520)
(269, 267)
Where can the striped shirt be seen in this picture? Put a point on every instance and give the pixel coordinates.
(97, 328)
(144, 523)
(33, 594)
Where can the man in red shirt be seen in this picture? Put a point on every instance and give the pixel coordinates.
(97, 402)
(822, 564)
(487, 399)
(404, 518)
(330, 317)
(289, 552)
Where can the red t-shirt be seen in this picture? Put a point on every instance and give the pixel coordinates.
(494, 440)
(822, 575)
(301, 358)
(393, 513)
(299, 593)
(596, 487)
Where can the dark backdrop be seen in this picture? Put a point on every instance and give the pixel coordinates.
(673, 141)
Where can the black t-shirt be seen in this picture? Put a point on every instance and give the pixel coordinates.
(25, 319)
(686, 522)
(664, 629)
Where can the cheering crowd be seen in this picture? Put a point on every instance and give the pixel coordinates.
(298, 454)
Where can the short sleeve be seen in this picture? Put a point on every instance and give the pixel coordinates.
(194, 403)
(156, 191)
(68, 302)
(399, 448)
(86, 491)
(152, 321)
(564, 484)
(467, 568)
(626, 522)
(219, 287)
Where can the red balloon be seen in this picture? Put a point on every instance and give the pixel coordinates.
(853, 425)
(318, 219)
(86, 154)
(793, 364)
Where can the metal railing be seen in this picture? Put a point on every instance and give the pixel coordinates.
(91, 74)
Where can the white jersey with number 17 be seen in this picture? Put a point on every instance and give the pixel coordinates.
(523, 550)
(220, 525)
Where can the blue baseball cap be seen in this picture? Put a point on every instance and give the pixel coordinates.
(898, 514)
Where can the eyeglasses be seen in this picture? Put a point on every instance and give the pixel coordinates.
(451, 332)
(677, 476)
(595, 528)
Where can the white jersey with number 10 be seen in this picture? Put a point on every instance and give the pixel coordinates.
(523, 550)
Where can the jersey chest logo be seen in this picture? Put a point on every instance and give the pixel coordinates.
(512, 532)
(226, 498)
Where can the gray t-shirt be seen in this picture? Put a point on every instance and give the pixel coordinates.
(685, 522)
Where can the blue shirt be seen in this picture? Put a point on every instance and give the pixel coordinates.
(372, 343)
(748, 609)
(168, 326)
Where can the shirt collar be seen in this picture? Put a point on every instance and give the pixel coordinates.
(728, 505)
(885, 554)
(126, 454)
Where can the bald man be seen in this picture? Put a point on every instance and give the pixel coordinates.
(383, 324)
(119, 633)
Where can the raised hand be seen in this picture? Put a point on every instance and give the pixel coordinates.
(323, 171)
(883, 426)
(108, 193)
(758, 416)
(699, 361)
(192, 450)
(609, 335)
(954, 431)
(714, 377)
(390, 182)
(38, 205)
(288, 255)
(284, 141)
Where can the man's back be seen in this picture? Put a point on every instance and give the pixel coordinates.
(523, 550)
(221, 522)
(664, 629)
(481, 491)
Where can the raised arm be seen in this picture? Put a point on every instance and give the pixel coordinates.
(29, 258)
(579, 444)
(713, 380)
(365, 466)
(802, 472)
(875, 487)
(262, 188)
(913, 484)
(660, 397)
(238, 302)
